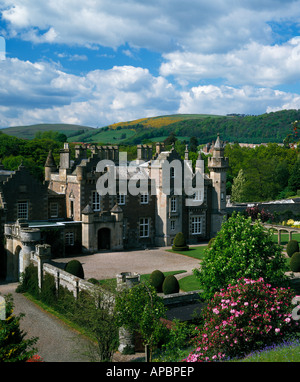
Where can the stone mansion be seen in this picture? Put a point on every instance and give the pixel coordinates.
(68, 202)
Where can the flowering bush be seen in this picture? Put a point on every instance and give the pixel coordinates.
(243, 318)
(256, 213)
(35, 358)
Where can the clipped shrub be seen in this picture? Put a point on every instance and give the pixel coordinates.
(75, 268)
(292, 247)
(170, 285)
(156, 280)
(179, 243)
(295, 262)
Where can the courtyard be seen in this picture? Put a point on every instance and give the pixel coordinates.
(105, 264)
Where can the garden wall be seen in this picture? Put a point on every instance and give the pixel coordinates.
(284, 209)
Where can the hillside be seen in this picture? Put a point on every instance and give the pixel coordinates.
(28, 132)
(270, 127)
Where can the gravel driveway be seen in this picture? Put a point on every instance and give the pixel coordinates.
(57, 342)
(108, 264)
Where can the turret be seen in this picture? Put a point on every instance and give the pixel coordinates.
(218, 166)
(50, 166)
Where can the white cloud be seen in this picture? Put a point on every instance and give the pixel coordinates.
(254, 64)
(41, 92)
(202, 42)
(226, 99)
(160, 25)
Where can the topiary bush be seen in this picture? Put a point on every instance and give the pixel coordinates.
(170, 285)
(156, 280)
(75, 268)
(179, 243)
(295, 262)
(292, 247)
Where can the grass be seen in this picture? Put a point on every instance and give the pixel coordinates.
(285, 238)
(189, 284)
(288, 351)
(112, 283)
(195, 252)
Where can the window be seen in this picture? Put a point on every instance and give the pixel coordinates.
(197, 196)
(144, 227)
(172, 172)
(96, 201)
(172, 225)
(173, 204)
(23, 210)
(121, 199)
(69, 238)
(144, 198)
(196, 225)
(53, 210)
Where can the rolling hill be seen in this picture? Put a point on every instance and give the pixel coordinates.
(28, 132)
(269, 127)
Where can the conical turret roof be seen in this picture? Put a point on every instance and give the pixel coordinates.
(50, 162)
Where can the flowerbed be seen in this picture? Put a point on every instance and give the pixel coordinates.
(243, 318)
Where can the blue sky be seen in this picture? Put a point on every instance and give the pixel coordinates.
(99, 62)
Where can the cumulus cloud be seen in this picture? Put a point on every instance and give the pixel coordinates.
(222, 100)
(160, 25)
(231, 45)
(35, 92)
(254, 64)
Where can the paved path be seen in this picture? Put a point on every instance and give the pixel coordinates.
(57, 342)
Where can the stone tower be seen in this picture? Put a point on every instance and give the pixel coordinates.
(218, 166)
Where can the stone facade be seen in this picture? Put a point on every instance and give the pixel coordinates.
(69, 203)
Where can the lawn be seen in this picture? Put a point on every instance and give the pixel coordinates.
(285, 238)
(195, 252)
(111, 284)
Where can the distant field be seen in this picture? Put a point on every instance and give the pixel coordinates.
(112, 136)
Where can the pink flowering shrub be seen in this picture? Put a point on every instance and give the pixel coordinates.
(243, 318)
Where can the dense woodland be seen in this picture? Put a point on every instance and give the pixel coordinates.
(270, 127)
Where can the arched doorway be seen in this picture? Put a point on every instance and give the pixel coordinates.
(104, 238)
(16, 263)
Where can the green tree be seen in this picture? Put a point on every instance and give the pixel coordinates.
(241, 249)
(294, 180)
(139, 309)
(14, 347)
(170, 139)
(193, 144)
(93, 312)
(238, 190)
